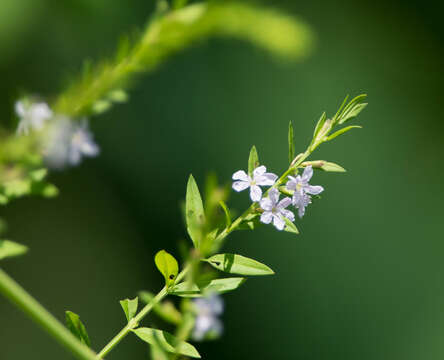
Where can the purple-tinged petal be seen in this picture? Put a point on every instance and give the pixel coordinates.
(241, 175)
(307, 174)
(240, 185)
(313, 189)
(278, 222)
(284, 203)
(288, 214)
(274, 195)
(301, 211)
(291, 184)
(266, 217)
(255, 193)
(259, 171)
(268, 179)
(266, 204)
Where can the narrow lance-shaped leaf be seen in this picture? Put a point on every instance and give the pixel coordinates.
(290, 143)
(342, 131)
(238, 264)
(167, 265)
(253, 160)
(219, 286)
(167, 341)
(10, 248)
(130, 307)
(319, 124)
(340, 110)
(227, 213)
(74, 325)
(352, 109)
(194, 212)
(290, 227)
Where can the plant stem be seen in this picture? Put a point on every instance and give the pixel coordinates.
(25, 302)
(134, 322)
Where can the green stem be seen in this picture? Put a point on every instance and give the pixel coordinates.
(25, 302)
(134, 322)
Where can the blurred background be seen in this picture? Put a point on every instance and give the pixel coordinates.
(364, 278)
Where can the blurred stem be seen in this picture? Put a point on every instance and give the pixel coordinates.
(25, 302)
(134, 322)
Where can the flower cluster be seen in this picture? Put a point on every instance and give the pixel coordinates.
(207, 324)
(66, 141)
(274, 210)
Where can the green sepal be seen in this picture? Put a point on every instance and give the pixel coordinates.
(168, 266)
(238, 264)
(77, 328)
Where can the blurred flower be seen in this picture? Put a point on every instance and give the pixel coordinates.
(32, 116)
(274, 210)
(301, 201)
(68, 142)
(260, 178)
(207, 324)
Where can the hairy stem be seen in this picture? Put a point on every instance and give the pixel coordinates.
(134, 322)
(25, 302)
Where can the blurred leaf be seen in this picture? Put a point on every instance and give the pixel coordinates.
(118, 96)
(194, 212)
(290, 227)
(38, 175)
(130, 307)
(167, 265)
(100, 106)
(10, 249)
(291, 150)
(219, 286)
(342, 131)
(227, 213)
(74, 324)
(167, 341)
(166, 309)
(253, 161)
(238, 264)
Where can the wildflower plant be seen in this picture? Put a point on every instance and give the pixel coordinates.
(55, 135)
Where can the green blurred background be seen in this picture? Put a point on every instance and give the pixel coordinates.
(364, 278)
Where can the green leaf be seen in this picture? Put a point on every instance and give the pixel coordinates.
(74, 324)
(290, 227)
(118, 96)
(340, 110)
(167, 265)
(167, 341)
(38, 175)
(11, 248)
(166, 309)
(130, 307)
(220, 286)
(100, 106)
(194, 212)
(290, 143)
(238, 264)
(227, 213)
(342, 131)
(253, 160)
(332, 167)
(353, 108)
(319, 124)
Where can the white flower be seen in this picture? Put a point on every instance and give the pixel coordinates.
(207, 323)
(274, 210)
(260, 178)
(32, 116)
(68, 142)
(302, 188)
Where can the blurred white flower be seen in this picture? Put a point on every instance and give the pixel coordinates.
(260, 178)
(274, 210)
(32, 116)
(68, 142)
(300, 202)
(207, 324)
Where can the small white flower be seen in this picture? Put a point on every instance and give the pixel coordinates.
(274, 210)
(207, 323)
(301, 201)
(32, 116)
(260, 178)
(68, 142)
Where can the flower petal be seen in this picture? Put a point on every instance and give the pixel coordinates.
(278, 222)
(288, 214)
(301, 211)
(313, 189)
(240, 185)
(241, 175)
(307, 174)
(268, 179)
(274, 195)
(255, 193)
(266, 204)
(20, 109)
(266, 217)
(284, 203)
(291, 183)
(259, 171)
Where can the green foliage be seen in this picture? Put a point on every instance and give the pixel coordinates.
(167, 342)
(238, 264)
(130, 307)
(165, 310)
(290, 227)
(324, 165)
(74, 324)
(194, 211)
(10, 249)
(291, 149)
(218, 286)
(168, 266)
(227, 213)
(253, 161)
